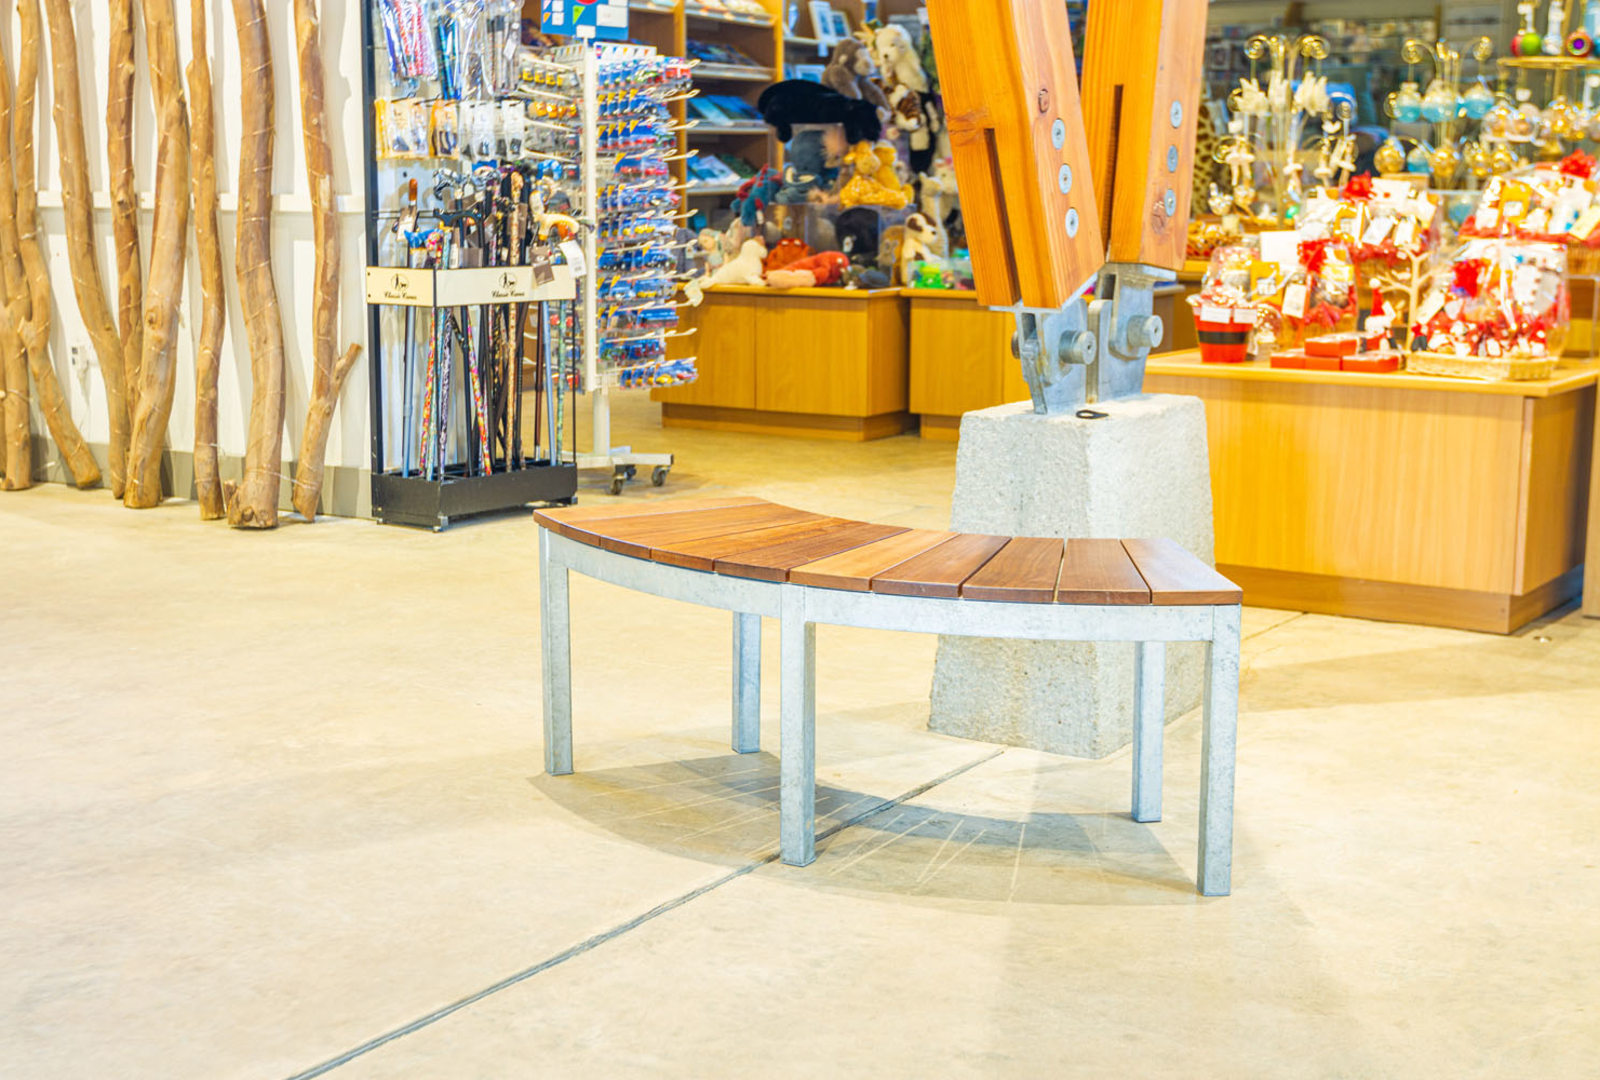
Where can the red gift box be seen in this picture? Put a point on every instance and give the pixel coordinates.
(1333, 345)
(1294, 359)
(1379, 360)
(1323, 363)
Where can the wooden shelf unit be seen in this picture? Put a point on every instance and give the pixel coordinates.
(818, 363)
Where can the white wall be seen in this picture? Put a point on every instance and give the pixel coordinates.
(292, 252)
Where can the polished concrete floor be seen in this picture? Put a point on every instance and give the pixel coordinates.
(273, 804)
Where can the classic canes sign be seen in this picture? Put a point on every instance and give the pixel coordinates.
(605, 20)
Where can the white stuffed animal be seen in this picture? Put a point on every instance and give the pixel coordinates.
(896, 57)
(743, 269)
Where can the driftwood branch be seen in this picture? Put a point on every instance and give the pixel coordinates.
(124, 200)
(13, 311)
(329, 369)
(70, 443)
(208, 242)
(253, 503)
(78, 203)
(169, 241)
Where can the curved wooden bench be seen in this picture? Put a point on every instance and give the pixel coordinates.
(756, 558)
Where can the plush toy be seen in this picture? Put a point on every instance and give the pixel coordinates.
(851, 72)
(788, 250)
(907, 87)
(919, 243)
(896, 57)
(800, 101)
(713, 250)
(545, 222)
(806, 169)
(874, 182)
(745, 269)
(755, 195)
(856, 233)
(825, 269)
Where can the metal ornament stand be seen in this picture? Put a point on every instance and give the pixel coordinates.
(623, 462)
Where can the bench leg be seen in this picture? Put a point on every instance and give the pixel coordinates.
(1149, 717)
(798, 733)
(1217, 754)
(555, 633)
(746, 683)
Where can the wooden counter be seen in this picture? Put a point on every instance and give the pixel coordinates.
(821, 363)
(1412, 498)
(961, 354)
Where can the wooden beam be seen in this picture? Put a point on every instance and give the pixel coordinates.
(1143, 64)
(1009, 79)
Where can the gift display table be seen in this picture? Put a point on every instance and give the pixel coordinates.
(1447, 502)
(821, 363)
(961, 354)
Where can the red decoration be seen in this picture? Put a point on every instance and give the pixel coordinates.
(1578, 164)
(1358, 188)
(1468, 276)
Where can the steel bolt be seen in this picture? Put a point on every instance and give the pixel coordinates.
(1177, 114)
(1078, 348)
(1145, 332)
(1058, 134)
(1172, 159)
(1072, 223)
(1170, 201)
(1064, 179)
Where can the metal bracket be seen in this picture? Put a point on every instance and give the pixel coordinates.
(1095, 350)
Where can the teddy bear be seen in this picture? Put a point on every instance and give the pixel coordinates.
(826, 268)
(874, 181)
(744, 269)
(851, 72)
(907, 87)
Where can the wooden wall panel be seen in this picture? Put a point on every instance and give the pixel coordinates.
(811, 356)
(727, 326)
(958, 351)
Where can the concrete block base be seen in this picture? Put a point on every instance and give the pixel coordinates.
(1142, 470)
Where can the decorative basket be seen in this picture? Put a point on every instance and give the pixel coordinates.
(1488, 368)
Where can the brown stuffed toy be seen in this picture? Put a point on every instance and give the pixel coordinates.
(851, 72)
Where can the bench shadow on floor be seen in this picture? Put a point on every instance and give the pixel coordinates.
(723, 810)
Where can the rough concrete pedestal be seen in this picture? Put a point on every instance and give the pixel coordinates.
(1142, 471)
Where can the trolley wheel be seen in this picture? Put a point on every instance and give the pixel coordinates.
(658, 476)
(618, 478)
(633, 471)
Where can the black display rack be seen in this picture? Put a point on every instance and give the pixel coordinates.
(409, 497)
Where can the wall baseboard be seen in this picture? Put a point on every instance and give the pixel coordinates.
(346, 491)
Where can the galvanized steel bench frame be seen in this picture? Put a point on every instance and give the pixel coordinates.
(799, 608)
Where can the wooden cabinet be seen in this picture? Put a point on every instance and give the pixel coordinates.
(1448, 502)
(824, 363)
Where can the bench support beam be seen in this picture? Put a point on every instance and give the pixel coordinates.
(556, 636)
(1216, 754)
(1149, 722)
(797, 801)
(746, 683)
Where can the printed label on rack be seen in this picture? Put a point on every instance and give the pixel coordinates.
(575, 260)
(400, 286)
(499, 285)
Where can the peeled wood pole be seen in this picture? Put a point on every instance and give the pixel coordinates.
(77, 202)
(168, 248)
(69, 440)
(214, 302)
(330, 370)
(124, 200)
(13, 357)
(253, 503)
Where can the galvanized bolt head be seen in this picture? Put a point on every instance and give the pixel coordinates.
(1072, 223)
(1146, 332)
(1172, 159)
(1177, 114)
(1058, 134)
(1170, 202)
(1064, 179)
(1078, 348)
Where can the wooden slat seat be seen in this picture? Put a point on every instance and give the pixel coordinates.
(753, 538)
